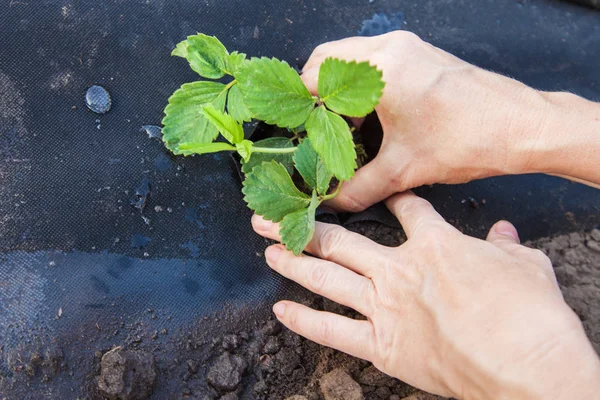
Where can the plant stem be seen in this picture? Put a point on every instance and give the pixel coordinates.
(230, 84)
(273, 150)
(332, 195)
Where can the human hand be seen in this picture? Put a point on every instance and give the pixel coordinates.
(447, 121)
(450, 314)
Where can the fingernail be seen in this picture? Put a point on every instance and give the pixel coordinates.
(279, 309)
(260, 224)
(272, 253)
(507, 229)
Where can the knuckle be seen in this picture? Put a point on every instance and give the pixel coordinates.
(318, 278)
(540, 257)
(349, 203)
(405, 36)
(394, 171)
(292, 319)
(332, 239)
(437, 239)
(325, 330)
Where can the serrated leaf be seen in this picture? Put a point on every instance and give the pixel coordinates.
(350, 88)
(181, 49)
(331, 138)
(205, 148)
(274, 92)
(311, 167)
(244, 148)
(184, 121)
(206, 55)
(236, 106)
(297, 229)
(270, 192)
(233, 62)
(284, 159)
(225, 124)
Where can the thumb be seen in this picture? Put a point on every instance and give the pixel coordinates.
(368, 186)
(503, 232)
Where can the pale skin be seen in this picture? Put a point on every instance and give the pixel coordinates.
(453, 315)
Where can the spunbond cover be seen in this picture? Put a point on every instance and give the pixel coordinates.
(101, 228)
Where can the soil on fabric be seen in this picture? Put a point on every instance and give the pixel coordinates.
(246, 354)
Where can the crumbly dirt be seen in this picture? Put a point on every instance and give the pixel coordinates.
(279, 364)
(246, 354)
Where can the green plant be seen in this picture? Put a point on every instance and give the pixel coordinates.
(320, 145)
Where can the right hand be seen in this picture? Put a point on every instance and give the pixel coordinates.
(444, 120)
(445, 312)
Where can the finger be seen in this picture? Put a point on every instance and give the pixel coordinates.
(353, 48)
(322, 277)
(334, 243)
(503, 232)
(344, 334)
(365, 188)
(412, 211)
(310, 78)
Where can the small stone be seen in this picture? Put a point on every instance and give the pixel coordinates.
(229, 396)
(383, 392)
(286, 361)
(338, 385)
(30, 370)
(230, 342)
(226, 373)
(126, 374)
(394, 397)
(575, 239)
(98, 99)
(371, 376)
(595, 234)
(193, 366)
(271, 328)
(593, 245)
(272, 346)
(260, 387)
(296, 397)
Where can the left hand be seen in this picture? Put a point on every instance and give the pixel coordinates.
(447, 313)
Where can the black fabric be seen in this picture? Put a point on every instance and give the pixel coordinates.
(99, 221)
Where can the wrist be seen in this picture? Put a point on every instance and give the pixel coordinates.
(562, 137)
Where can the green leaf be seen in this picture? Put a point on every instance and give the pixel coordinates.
(350, 88)
(181, 49)
(205, 148)
(274, 92)
(244, 148)
(225, 124)
(206, 55)
(270, 192)
(236, 106)
(297, 229)
(276, 143)
(184, 120)
(233, 62)
(311, 167)
(331, 138)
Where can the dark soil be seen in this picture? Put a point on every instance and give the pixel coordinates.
(245, 354)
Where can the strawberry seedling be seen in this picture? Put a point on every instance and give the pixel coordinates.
(286, 178)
